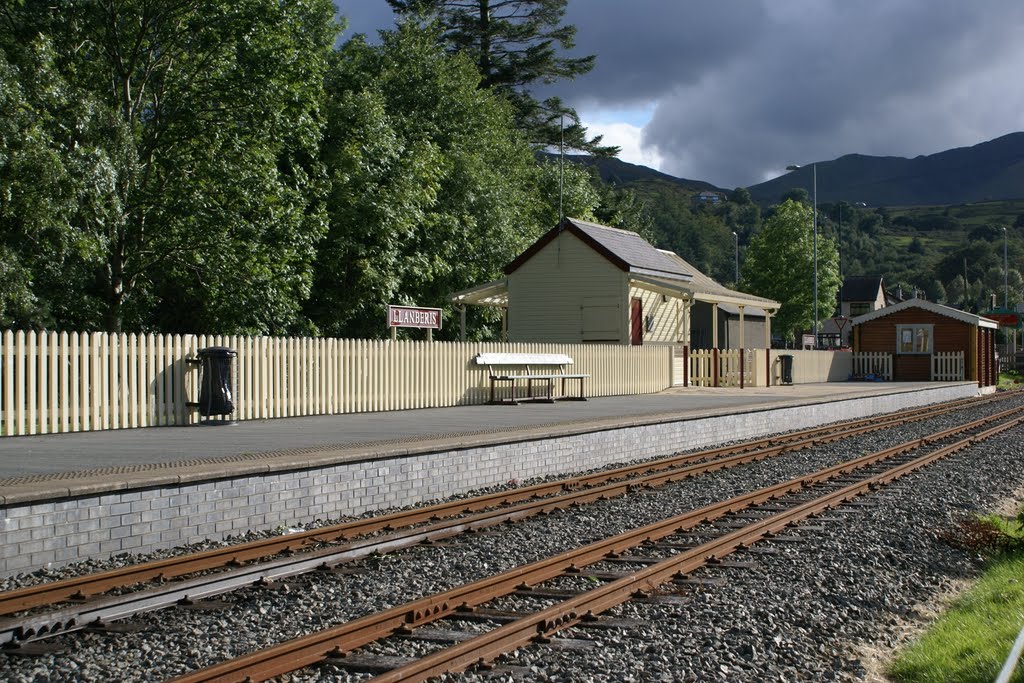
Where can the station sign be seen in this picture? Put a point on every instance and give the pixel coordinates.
(1004, 317)
(413, 316)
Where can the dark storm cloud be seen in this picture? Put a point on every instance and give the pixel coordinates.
(741, 88)
(749, 87)
(645, 48)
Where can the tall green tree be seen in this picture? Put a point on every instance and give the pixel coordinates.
(780, 265)
(620, 207)
(433, 189)
(515, 45)
(175, 171)
(45, 177)
(567, 186)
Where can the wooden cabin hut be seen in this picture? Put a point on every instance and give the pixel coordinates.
(929, 341)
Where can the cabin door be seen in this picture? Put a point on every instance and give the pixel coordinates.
(636, 321)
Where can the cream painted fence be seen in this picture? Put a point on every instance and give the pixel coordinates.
(68, 382)
(809, 366)
(704, 372)
(948, 366)
(760, 368)
(876, 363)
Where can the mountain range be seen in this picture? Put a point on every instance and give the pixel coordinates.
(988, 171)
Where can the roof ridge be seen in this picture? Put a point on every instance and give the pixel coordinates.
(606, 227)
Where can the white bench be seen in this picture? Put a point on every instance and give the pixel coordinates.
(530, 368)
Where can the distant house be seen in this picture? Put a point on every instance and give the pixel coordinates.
(587, 283)
(859, 294)
(707, 197)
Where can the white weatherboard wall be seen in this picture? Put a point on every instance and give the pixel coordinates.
(665, 312)
(568, 293)
(35, 535)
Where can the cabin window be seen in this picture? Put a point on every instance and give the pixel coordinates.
(912, 339)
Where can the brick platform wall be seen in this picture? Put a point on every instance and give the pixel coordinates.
(63, 531)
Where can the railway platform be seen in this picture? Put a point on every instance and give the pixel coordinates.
(65, 497)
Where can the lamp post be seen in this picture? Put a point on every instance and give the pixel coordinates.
(1006, 299)
(839, 242)
(814, 226)
(736, 240)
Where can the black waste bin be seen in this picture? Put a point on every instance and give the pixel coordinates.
(787, 368)
(215, 383)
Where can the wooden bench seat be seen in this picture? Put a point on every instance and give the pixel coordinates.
(529, 368)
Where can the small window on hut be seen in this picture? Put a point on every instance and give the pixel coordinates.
(914, 339)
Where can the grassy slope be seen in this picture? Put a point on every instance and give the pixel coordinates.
(971, 641)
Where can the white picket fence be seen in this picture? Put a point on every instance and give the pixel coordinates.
(876, 363)
(67, 382)
(948, 366)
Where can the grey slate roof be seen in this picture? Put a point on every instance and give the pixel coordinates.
(639, 254)
(860, 288)
(627, 250)
(705, 284)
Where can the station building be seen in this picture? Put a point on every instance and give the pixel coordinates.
(582, 282)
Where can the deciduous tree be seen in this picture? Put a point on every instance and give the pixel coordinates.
(177, 148)
(433, 189)
(780, 265)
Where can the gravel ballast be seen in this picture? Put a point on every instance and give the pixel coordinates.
(800, 613)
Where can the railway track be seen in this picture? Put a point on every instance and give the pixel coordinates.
(643, 560)
(192, 578)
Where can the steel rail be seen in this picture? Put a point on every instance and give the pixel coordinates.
(14, 631)
(542, 624)
(103, 610)
(80, 588)
(345, 638)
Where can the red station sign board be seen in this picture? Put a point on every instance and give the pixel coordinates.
(412, 316)
(1004, 318)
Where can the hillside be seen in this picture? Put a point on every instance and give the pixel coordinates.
(933, 227)
(623, 174)
(986, 172)
(989, 171)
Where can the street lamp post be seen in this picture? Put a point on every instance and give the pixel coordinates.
(839, 242)
(736, 240)
(1006, 278)
(814, 226)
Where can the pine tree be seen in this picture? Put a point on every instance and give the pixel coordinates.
(515, 45)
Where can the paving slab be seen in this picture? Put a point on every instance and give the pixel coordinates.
(62, 455)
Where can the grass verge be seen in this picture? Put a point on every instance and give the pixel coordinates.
(972, 640)
(1009, 380)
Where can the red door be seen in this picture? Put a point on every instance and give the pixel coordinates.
(636, 321)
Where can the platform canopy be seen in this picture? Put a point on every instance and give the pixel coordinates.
(493, 293)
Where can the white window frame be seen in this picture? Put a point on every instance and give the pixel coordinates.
(913, 332)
